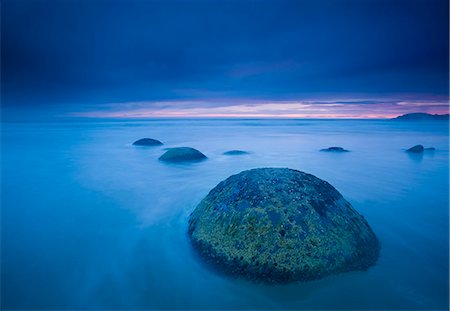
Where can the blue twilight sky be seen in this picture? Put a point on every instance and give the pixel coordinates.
(105, 58)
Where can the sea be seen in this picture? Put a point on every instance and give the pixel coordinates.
(89, 221)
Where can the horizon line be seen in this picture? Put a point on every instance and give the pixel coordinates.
(296, 109)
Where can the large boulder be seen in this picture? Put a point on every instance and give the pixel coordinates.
(182, 154)
(147, 142)
(281, 225)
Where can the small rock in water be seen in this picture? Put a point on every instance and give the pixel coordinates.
(235, 152)
(147, 142)
(416, 149)
(335, 149)
(280, 225)
(182, 154)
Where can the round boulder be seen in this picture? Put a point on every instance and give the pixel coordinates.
(147, 142)
(281, 225)
(182, 154)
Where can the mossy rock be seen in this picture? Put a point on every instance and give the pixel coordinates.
(281, 225)
(182, 154)
(147, 142)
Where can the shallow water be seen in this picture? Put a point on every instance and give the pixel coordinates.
(91, 222)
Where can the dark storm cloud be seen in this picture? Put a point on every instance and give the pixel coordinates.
(69, 52)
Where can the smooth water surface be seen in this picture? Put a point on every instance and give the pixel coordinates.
(91, 222)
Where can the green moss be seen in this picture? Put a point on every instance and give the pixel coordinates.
(277, 225)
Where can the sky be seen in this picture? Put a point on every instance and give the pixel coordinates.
(192, 58)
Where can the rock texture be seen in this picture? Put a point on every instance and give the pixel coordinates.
(281, 225)
(335, 149)
(182, 154)
(147, 142)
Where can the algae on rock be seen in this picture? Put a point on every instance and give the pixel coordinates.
(281, 225)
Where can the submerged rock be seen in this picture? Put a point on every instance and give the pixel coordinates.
(182, 154)
(147, 142)
(335, 149)
(420, 149)
(416, 149)
(281, 225)
(235, 152)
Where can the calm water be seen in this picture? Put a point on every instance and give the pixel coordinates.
(89, 221)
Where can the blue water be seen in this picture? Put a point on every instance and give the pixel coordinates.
(91, 222)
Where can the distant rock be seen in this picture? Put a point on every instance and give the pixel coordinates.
(278, 225)
(335, 149)
(420, 149)
(235, 152)
(147, 142)
(182, 154)
(419, 116)
(416, 149)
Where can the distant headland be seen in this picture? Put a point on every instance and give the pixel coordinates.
(420, 116)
